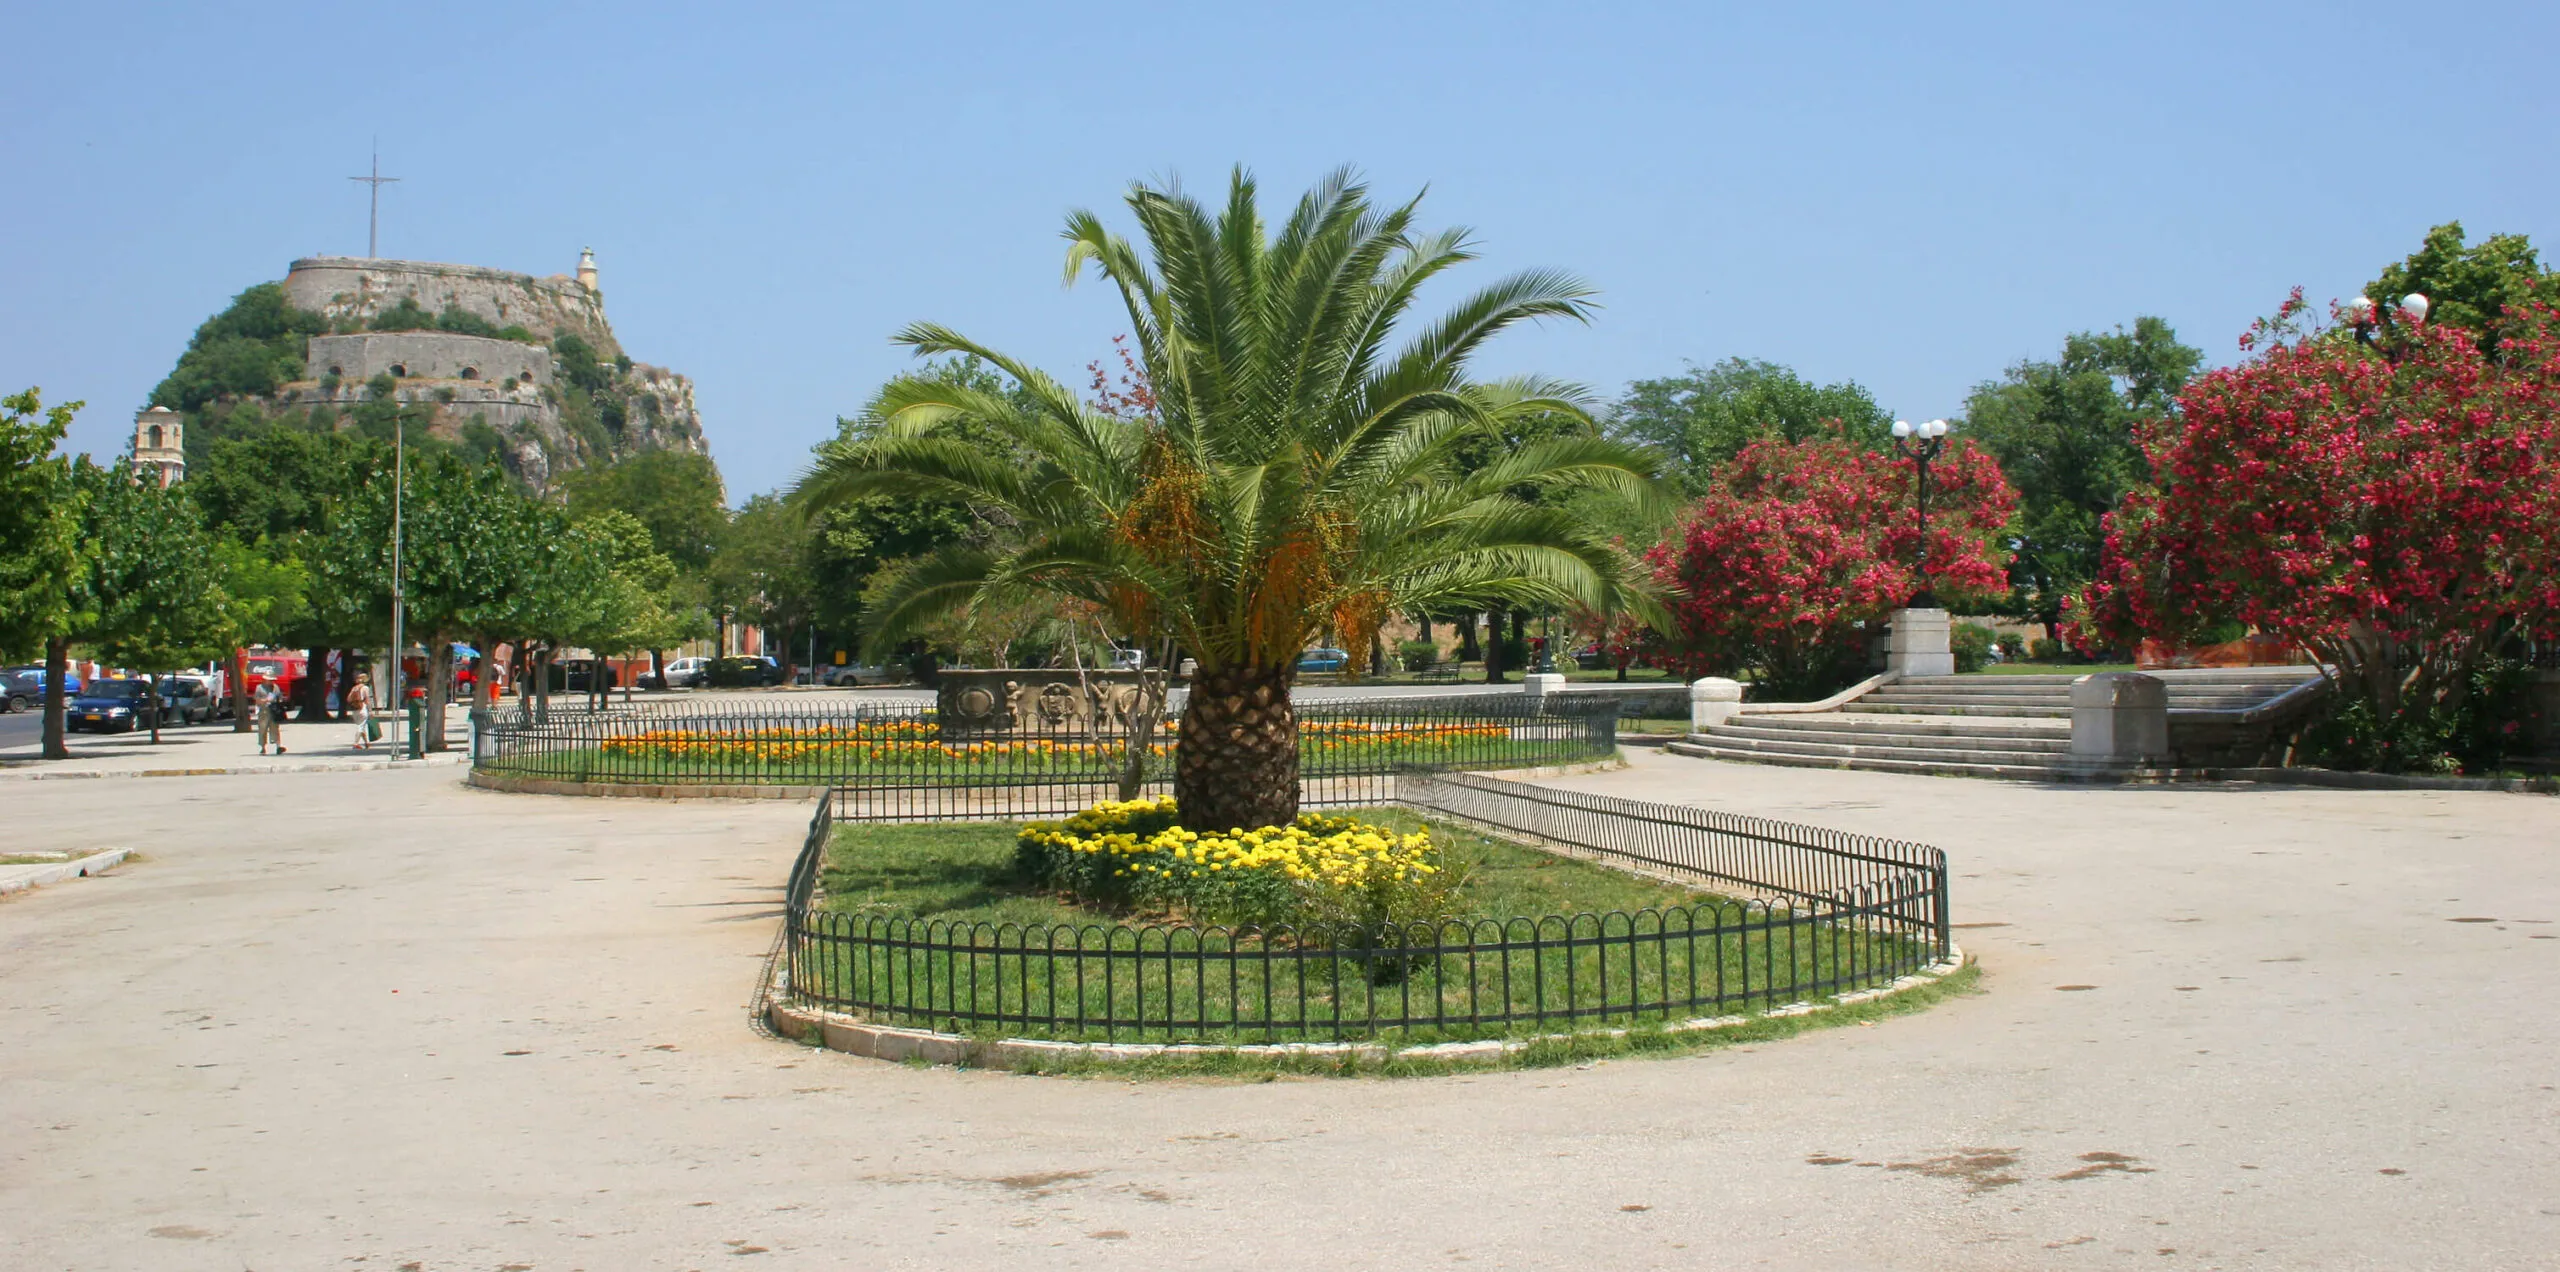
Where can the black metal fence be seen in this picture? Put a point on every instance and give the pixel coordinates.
(888, 761)
(1825, 913)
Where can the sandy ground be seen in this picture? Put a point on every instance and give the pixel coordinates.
(377, 1020)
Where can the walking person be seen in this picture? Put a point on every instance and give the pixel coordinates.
(359, 702)
(270, 721)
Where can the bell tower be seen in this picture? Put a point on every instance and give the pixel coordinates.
(160, 445)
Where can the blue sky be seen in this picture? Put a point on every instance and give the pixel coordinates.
(1907, 198)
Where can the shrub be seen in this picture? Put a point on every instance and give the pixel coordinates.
(2396, 516)
(1800, 543)
(1321, 875)
(1418, 654)
(2045, 649)
(1971, 644)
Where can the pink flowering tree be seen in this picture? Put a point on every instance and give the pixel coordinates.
(2392, 510)
(1796, 544)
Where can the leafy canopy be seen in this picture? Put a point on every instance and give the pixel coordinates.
(2063, 431)
(39, 522)
(1704, 416)
(1299, 469)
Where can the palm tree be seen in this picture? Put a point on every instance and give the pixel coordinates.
(1296, 475)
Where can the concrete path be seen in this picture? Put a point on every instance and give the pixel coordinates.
(375, 1020)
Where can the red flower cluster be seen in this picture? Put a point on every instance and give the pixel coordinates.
(1799, 541)
(2396, 518)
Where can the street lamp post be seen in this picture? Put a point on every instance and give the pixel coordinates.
(2368, 322)
(399, 599)
(1920, 444)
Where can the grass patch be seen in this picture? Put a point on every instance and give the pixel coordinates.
(964, 873)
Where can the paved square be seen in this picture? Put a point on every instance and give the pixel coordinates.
(365, 1019)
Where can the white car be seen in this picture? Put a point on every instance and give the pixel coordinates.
(685, 673)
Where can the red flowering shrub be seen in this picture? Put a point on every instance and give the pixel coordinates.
(2398, 520)
(1798, 542)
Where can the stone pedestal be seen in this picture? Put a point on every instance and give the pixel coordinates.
(1712, 701)
(1916, 645)
(2120, 717)
(1540, 684)
(1045, 701)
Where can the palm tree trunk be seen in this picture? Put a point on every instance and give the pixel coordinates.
(57, 668)
(1236, 766)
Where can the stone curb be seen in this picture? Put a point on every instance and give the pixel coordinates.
(244, 770)
(854, 1036)
(635, 790)
(21, 878)
(2384, 781)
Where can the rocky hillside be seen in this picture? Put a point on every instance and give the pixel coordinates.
(508, 365)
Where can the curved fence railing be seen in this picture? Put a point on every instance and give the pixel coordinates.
(894, 762)
(1827, 913)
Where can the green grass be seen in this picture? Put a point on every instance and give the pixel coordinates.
(963, 873)
(929, 926)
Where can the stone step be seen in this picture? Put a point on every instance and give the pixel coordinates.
(1869, 706)
(2025, 772)
(1948, 751)
(1873, 722)
(1881, 741)
(2180, 676)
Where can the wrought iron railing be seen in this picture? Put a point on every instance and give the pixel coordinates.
(890, 761)
(1805, 913)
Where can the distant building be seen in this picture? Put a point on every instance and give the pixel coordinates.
(160, 445)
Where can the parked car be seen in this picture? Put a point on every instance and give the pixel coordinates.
(573, 674)
(1324, 658)
(187, 700)
(742, 671)
(1128, 660)
(1592, 658)
(111, 706)
(685, 673)
(22, 688)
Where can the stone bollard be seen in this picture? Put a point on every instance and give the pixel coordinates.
(2120, 717)
(1916, 643)
(1712, 701)
(1540, 684)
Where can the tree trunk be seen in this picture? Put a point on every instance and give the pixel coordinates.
(1236, 766)
(439, 675)
(151, 685)
(315, 685)
(1493, 647)
(57, 666)
(1422, 621)
(657, 670)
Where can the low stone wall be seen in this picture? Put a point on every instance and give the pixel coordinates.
(1045, 702)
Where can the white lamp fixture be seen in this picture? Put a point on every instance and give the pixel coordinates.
(2413, 306)
(1902, 428)
(2360, 310)
(1934, 428)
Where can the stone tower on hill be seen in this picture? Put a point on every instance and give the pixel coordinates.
(522, 368)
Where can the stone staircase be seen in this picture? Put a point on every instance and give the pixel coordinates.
(2016, 727)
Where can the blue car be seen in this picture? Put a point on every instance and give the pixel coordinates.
(112, 706)
(22, 688)
(1323, 658)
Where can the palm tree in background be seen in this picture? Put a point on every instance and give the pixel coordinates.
(1296, 474)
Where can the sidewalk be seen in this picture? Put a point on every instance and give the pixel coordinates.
(199, 750)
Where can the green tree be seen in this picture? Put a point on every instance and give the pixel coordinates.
(253, 347)
(271, 491)
(676, 495)
(2467, 285)
(1298, 473)
(149, 595)
(2063, 432)
(1704, 416)
(39, 534)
